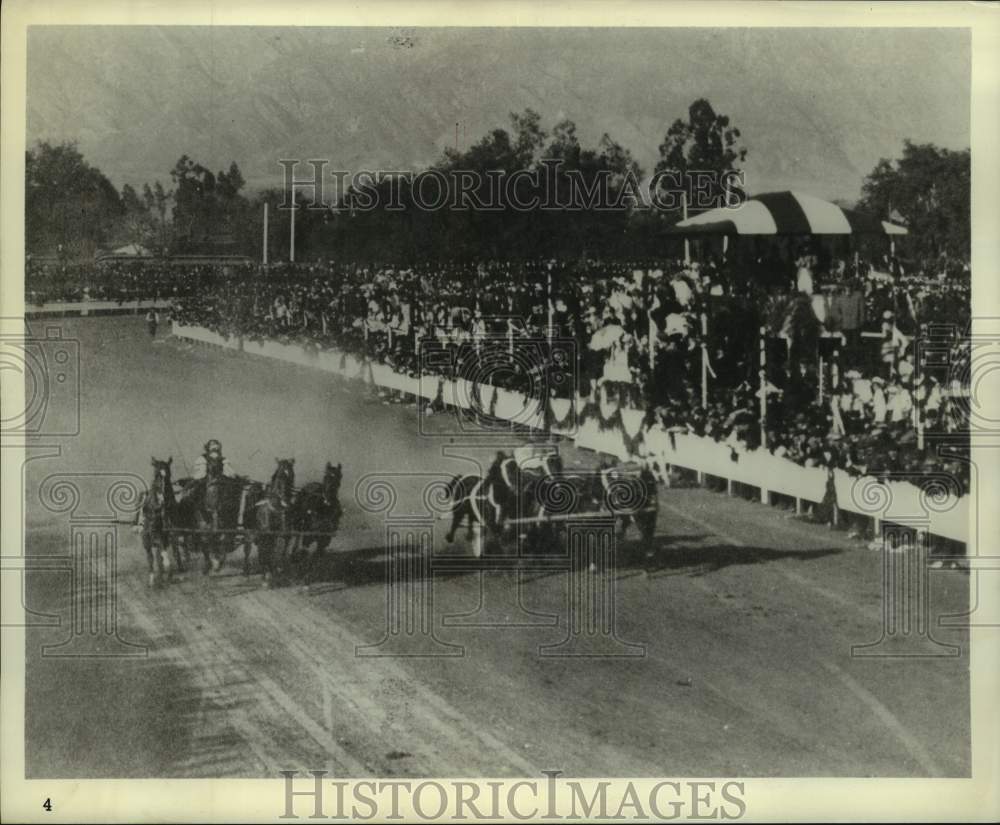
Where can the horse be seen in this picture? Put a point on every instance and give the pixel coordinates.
(630, 497)
(157, 517)
(267, 517)
(527, 495)
(317, 511)
(473, 499)
(209, 510)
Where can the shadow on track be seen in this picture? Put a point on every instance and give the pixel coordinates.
(670, 557)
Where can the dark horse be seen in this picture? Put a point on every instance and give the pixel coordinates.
(629, 493)
(474, 499)
(316, 511)
(267, 518)
(157, 517)
(209, 508)
(529, 496)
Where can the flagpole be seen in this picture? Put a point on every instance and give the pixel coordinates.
(704, 360)
(918, 399)
(821, 368)
(892, 241)
(291, 252)
(265, 234)
(763, 388)
(687, 243)
(549, 294)
(652, 342)
(838, 421)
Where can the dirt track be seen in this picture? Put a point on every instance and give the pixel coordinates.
(747, 617)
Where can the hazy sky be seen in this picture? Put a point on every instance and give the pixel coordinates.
(817, 107)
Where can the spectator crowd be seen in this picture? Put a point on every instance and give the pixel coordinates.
(810, 358)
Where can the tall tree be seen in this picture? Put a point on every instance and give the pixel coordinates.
(156, 200)
(929, 188)
(207, 207)
(706, 142)
(138, 222)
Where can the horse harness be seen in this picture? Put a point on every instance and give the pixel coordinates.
(473, 499)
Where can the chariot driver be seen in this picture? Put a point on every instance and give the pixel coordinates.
(212, 452)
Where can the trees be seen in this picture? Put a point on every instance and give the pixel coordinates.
(138, 220)
(708, 143)
(207, 207)
(156, 200)
(593, 184)
(523, 191)
(929, 188)
(70, 207)
(515, 193)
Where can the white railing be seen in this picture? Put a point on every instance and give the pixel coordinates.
(88, 307)
(933, 507)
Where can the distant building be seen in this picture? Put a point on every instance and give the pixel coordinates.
(129, 252)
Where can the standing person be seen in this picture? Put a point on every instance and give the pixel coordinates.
(852, 318)
(804, 275)
(152, 320)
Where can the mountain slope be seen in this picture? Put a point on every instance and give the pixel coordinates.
(817, 108)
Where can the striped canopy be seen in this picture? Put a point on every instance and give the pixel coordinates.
(786, 213)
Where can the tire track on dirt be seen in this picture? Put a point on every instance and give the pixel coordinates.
(258, 708)
(216, 689)
(444, 737)
(880, 711)
(358, 711)
(886, 716)
(283, 710)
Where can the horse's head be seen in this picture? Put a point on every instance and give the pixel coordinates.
(283, 480)
(495, 472)
(332, 476)
(161, 474)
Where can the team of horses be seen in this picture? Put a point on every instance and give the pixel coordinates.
(536, 502)
(290, 526)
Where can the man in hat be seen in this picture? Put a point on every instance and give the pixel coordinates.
(212, 452)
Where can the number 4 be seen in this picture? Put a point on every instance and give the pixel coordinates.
(47, 804)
